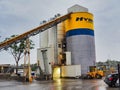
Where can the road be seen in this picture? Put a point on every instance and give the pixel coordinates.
(59, 84)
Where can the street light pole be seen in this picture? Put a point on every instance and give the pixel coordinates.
(119, 73)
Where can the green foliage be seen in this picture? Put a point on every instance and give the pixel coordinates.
(109, 63)
(17, 49)
(33, 66)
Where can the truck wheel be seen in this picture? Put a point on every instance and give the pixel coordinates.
(117, 83)
(98, 76)
(89, 77)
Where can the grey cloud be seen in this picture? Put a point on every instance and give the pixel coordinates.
(18, 16)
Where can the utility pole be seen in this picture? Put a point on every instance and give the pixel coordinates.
(27, 68)
(119, 73)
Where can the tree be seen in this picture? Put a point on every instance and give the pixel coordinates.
(17, 49)
(34, 66)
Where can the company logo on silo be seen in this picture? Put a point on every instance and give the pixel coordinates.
(84, 19)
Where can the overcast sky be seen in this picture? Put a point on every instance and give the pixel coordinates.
(19, 16)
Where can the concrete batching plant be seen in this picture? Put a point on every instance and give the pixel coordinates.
(67, 44)
(73, 37)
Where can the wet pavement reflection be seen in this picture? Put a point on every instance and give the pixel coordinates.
(57, 84)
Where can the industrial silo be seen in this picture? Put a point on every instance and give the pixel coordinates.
(46, 51)
(80, 37)
(50, 47)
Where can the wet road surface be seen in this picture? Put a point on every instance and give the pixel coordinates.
(59, 84)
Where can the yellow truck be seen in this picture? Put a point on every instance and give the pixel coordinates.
(95, 73)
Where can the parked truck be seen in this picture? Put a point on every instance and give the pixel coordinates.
(94, 72)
